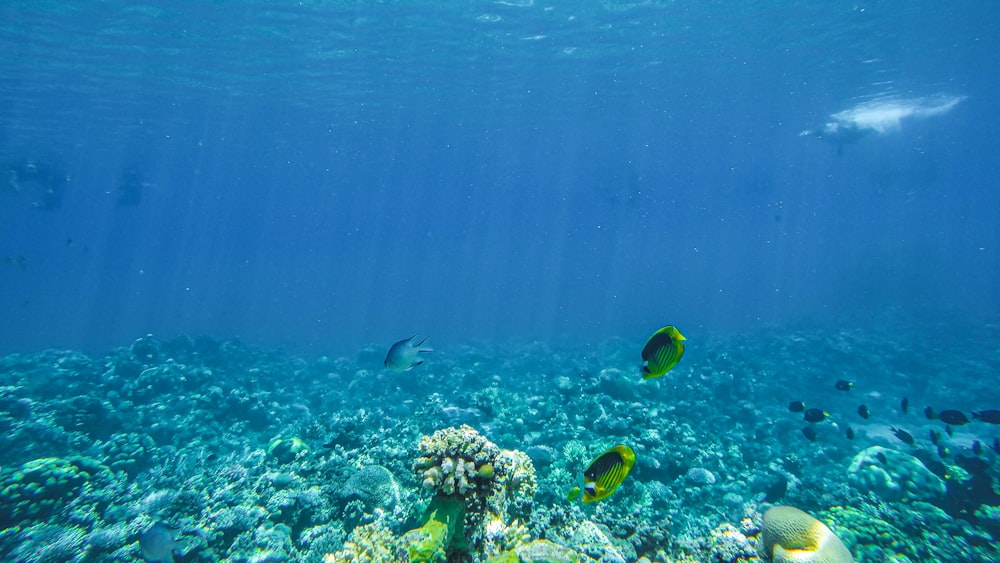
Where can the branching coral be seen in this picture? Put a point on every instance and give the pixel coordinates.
(455, 460)
(460, 465)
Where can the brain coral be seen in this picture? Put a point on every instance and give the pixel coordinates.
(893, 476)
(790, 535)
(375, 486)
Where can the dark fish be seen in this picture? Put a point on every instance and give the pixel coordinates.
(815, 415)
(776, 491)
(606, 472)
(19, 260)
(943, 452)
(864, 412)
(954, 417)
(991, 416)
(932, 462)
(157, 544)
(935, 437)
(810, 433)
(844, 385)
(977, 448)
(929, 413)
(796, 406)
(948, 431)
(904, 405)
(402, 356)
(662, 352)
(903, 435)
(882, 459)
(996, 445)
(850, 433)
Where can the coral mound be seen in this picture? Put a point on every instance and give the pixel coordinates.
(789, 535)
(374, 485)
(894, 476)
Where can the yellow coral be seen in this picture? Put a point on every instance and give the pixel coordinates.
(370, 543)
(789, 535)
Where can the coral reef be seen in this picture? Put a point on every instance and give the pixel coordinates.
(178, 431)
(728, 544)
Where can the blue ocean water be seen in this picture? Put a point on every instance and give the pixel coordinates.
(278, 191)
(321, 174)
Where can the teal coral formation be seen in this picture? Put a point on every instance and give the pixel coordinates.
(893, 476)
(375, 486)
(43, 486)
(538, 551)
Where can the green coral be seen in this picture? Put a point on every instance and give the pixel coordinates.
(858, 528)
(128, 452)
(443, 531)
(286, 450)
(42, 486)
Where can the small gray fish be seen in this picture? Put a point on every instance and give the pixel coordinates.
(157, 544)
(402, 355)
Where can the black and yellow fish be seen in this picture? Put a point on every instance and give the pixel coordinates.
(662, 352)
(815, 415)
(796, 406)
(844, 385)
(604, 474)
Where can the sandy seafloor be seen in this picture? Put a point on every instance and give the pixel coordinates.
(183, 431)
